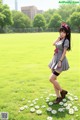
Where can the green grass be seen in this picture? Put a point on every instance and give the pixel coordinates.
(24, 73)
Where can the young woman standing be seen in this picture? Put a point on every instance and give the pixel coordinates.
(59, 62)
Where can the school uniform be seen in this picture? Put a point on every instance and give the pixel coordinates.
(53, 65)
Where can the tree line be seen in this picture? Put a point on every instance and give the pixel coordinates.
(50, 20)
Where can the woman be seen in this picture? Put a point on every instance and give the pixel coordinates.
(59, 61)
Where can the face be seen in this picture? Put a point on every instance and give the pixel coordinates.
(62, 34)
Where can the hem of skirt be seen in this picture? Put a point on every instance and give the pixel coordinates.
(61, 70)
(66, 69)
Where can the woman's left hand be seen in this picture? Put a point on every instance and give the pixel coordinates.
(59, 64)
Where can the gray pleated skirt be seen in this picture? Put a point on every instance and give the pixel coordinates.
(53, 65)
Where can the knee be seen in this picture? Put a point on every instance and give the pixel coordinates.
(51, 79)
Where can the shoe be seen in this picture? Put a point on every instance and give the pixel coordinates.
(63, 93)
(58, 99)
(55, 100)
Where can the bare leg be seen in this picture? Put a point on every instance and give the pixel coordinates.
(56, 91)
(55, 82)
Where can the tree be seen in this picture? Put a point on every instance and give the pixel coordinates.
(55, 21)
(78, 9)
(48, 14)
(75, 20)
(66, 10)
(20, 20)
(39, 21)
(51, 11)
(0, 1)
(5, 17)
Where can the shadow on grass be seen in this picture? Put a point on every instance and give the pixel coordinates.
(56, 107)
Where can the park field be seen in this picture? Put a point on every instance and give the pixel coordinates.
(24, 76)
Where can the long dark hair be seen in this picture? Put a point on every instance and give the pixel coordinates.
(67, 30)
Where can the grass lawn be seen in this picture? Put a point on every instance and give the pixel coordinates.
(24, 75)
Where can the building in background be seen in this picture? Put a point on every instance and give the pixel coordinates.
(16, 5)
(31, 11)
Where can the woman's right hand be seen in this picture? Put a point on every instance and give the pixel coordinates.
(57, 40)
(59, 64)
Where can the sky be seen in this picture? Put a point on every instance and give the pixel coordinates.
(40, 4)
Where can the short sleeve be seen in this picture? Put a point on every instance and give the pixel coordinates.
(66, 43)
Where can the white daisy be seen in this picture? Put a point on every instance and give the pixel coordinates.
(67, 107)
(49, 109)
(65, 104)
(71, 111)
(34, 103)
(31, 105)
(70, 104)
(50, 94)
(75, 108)
(39, 112)
(32, 110)
(54, 95)
(22, 108)
(25, 106)
(77, 115)
(78, 104)
(49, 118)
(53, 111)
(29, 101)
(37, 107)
(64, 100)
(70, 94)
(43, 106)
(50, 103)
(61, 103)
(47, 100)
(36, 99)
(23, 99)
(75, 98)
(61, 109)
(70, 98)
